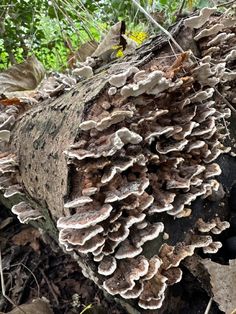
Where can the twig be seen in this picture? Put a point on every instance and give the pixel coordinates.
(158, 25)
(29, 270)
(59, 24)
(208, 306)
(81, 17)
(213, 2)
(3, 287)
(70, 20)
(227, 130)
(225, 4)
(172, 49)
(225, 100)
(181, 8)
(49, 286)
(101, 28)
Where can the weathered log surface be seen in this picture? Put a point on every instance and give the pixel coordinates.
(42, 135)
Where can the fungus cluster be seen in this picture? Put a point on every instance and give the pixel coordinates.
(146, 151)
(9, 184)
(7, 159)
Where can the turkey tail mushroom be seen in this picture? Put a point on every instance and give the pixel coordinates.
(160, 164)
(143, 153)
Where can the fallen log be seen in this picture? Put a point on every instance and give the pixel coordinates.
(122, 170)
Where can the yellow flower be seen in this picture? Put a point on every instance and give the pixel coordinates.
(137, 36)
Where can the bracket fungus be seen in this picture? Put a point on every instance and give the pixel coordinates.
(158, 165)
(25, 212)
(198, 21)
(85, 71)
(5, 135)
(119, 80)
(145, 150)
(179, 142)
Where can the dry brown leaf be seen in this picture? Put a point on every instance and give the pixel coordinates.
(223, 283)
(24, 76)
(28, 236)
(10, 101)
(177, 65)
(86, 50)
(113, 38)
(36, 307)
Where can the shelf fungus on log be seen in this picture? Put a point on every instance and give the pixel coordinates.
(10, 184)
(139, 154)
(25, 212)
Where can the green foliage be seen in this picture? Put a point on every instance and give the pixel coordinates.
(54, 29)
(49, 29)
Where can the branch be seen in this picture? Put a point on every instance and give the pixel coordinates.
(224, 4)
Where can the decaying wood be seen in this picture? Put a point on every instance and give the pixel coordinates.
(43, 134)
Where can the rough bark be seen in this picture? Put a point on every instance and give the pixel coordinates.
(42, 134)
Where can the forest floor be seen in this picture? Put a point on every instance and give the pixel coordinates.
(32, 269)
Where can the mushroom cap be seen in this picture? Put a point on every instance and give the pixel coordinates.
(5, 135)
(212, 248)
(77, 202)
(128, 271)
(152, 295)
(120, 79)
(13, 190)
(199, 20)
(127, 250)
(85, 71)
(25, 212)
(85, 218)
(133, 293)
(107, 266)
(151, 232)
(79, 236)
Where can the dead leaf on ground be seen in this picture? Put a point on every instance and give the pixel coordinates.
(28, 236)
(36, 307)
(223, 284)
